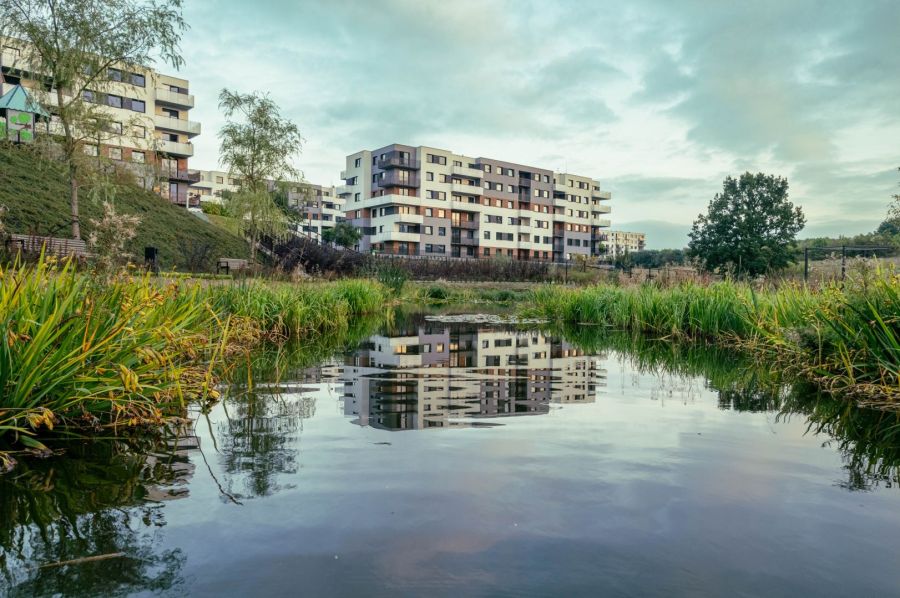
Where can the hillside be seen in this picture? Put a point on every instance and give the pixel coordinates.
(36, 195)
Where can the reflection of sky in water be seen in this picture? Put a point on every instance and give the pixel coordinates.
(643, 486)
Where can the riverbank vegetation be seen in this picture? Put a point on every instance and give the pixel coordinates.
(84, 352)
(845, 338)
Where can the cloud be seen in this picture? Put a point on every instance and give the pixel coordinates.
(658, 100)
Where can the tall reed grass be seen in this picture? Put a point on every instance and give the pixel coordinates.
(845, 337)
(79, 352)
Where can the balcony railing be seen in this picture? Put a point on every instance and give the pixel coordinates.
(398, 162)
(396, 179)
(601, 194)
(176, 148)
(460, 240)
(465, 224)
(175, 98)
(191, 176)
(177, 124)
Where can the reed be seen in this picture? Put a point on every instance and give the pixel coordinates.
(845, 337)
(83, 353)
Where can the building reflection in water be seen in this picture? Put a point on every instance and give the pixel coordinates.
(439, 375)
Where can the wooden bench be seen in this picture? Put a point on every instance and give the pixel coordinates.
(59, 247)
(230, 264)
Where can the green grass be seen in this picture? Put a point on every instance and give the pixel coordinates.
(36, 195)
(845, 338)
(80, 352)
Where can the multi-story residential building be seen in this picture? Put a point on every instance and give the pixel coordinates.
(318, 205)
(619, 242)
(428, 201)
(149, 133)
(440, 375)
(211, 183)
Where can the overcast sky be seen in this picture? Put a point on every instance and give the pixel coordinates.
(658, 100)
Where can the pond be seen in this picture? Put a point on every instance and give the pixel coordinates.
(443, 457)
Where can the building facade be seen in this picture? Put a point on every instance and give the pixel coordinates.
(149, 127)
(427, 201)
(619, 242)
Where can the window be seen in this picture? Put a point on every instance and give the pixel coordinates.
(487, 167)
(138, 79)
(114, 74)
(429, 230)
(457, 163)
(510, 172)
(352, 180)
(138, 106)
(437, 195)
(115, 153)
(114, 101)
(487, 235)
(428, 212)
(139, 131)
(441, 214)
(90, 150)
(220, 180)
(487, 252)
(442, 231)
(510, 189)
(429, 176)
(357, 163)
(437, 159)
(115, 128)
(356, 197)
(138, 157)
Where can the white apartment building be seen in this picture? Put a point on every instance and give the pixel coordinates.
(150, 132)
(431, 202)
(619, 242)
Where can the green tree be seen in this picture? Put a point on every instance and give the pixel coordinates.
(257, 148)
(891, 224)
(749, 229)
(71, 45)
(343, 234)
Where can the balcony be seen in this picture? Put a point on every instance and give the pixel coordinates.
(397, 179)
(167, 96)
(175, 148)
(465, 171)
(460, 189)
(601, 209)
(465, 241)
(464, 224)
(397, 162)
(177, 124)
(602, 222)
(190, 176)
(601, 194)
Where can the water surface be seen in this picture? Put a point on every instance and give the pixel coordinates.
(454, 459)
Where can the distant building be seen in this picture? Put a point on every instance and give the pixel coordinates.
(426, 201)
(318, 205)
(150, 131)
(619, 243)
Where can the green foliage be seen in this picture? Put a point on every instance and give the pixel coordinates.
(258, 215)
(750, 228)
(35, 192)
(657, 258)
(216, 209)
(258, 148)
(342, 233)
(843, 337)
(393, 277)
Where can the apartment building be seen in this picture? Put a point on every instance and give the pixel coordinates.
(439, 375)
(427, 201)
(318, 205)
(619, 242)
(150, 131)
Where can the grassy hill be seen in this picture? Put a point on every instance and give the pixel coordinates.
(36, 194)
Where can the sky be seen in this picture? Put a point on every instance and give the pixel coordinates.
(660, 101)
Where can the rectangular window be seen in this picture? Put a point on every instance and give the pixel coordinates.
(487, 167)
(138, 157)
(356, 197)
(442, 231)
(139, 131)
(437, 159)
(138, 79)
(114, 74)
(428, 212)
(429, 230)
(487, 235)
(357, 163)
(90, 150)
(429, 176)
(138, 106)
(115, 153)
(114, 101)
(115, 128)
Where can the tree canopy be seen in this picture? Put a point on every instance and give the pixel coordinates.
(750, 228)
(258, 148)
(343, 234)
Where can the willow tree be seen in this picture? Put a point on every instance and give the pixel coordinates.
(257, 145)
(69, 46)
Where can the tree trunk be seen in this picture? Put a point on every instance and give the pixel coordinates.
(73, 201)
